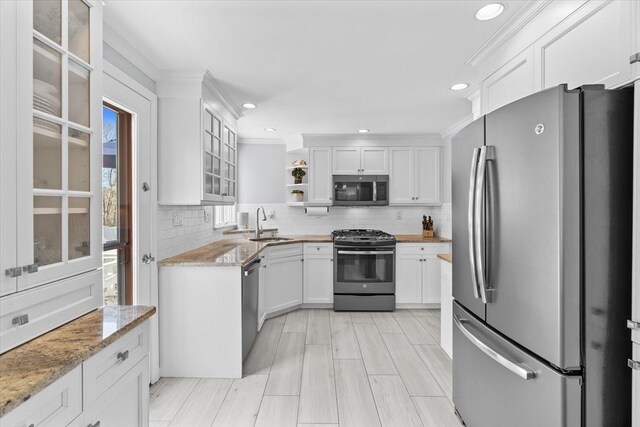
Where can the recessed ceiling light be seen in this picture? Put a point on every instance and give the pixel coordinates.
(459, 86)
(489, 11)
(269, 130)
(249, 105)
(363, 130)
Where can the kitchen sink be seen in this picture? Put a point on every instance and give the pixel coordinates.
(270, 239)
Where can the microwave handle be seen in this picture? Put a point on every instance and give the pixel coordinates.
(375, 191)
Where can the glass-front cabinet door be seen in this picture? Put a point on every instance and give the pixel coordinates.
(212, 162)
(229, 169)
(59, 146)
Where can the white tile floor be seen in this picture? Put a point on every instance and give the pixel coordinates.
(319, 367)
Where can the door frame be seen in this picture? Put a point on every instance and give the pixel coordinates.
(143, 296)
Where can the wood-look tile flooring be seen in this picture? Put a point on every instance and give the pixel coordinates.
(321, 368)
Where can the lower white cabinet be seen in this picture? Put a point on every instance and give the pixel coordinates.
(318, 273)
(283, 276)
(446, 307)
(125, 403)
(110, 389)
(57, 405)
(262, 293)
(418, 273)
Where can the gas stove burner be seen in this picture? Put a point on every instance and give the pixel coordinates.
(361, 235)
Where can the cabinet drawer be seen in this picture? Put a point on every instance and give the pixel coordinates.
(25, 315)
(445, 270)
(56, 405)
(318, 249)
(422, 248)
(282, 251)
(109, 365)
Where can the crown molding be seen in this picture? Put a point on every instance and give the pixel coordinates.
(261, 141)
(129, 52)
(212, 84)
(456, 127)
(518, 20)
(367, 136)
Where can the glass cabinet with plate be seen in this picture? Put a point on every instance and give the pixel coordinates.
(51, 188)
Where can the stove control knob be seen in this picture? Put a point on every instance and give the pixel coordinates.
(364, 285)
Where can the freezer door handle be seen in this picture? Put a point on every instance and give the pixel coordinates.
(478, 228)
(470, 222)
(521, 370)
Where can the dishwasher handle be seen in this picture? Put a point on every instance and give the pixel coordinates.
(251, 268)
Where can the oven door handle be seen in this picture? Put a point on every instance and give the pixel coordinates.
(366, 252)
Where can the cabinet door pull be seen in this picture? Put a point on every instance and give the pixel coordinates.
(96, 424)
(13, 272)
(23, 319)
(633, 325)
(122, 355)
(31, 268)
(633, 364)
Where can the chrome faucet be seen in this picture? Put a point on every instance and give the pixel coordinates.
(264, 218)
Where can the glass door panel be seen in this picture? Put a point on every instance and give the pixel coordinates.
(78, 29)
(47, 154)
(364, 268)
(47, 79)
(79, 227)
(47, 230)
(79, 160)
(79, 94)
(47, 19)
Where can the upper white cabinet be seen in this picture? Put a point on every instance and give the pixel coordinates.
(197, 142)
(415, 176)
(597, 42)
(360, 160)
(50, 217)
(512, 81)
(320, 178)
(592, 46)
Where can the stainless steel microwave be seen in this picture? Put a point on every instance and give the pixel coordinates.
(361, 190)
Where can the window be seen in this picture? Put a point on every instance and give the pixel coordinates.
(224, 216)
(116, 205)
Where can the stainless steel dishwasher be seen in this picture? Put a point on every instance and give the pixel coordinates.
(249, 305)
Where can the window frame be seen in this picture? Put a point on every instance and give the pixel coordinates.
(223, 211)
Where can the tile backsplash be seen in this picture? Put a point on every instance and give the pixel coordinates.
(194, 232)
(392, 219)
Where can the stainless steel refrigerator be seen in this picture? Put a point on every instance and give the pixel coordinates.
(542, 219)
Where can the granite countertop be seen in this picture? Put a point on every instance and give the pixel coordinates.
(29, 368)
(240, 252)
(446, 257)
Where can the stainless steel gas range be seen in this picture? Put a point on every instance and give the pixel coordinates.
(364, 271)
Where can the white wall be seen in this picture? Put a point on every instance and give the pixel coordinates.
(261, 175)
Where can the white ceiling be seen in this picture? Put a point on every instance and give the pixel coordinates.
(319, 66)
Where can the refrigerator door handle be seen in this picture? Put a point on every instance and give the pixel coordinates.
(470, 222)
(478, 228)
(521, 370)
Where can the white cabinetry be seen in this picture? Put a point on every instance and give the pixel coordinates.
(446, 307)
(592, 46)
(415, 176)
(418, 273)
(110, 389)
(197, 142)
(262, 292)
(50, 178)
(284, 277)
(57, 405)
(360, 160)
(125, 403)
(318, 273)
(512, 81)
(320, 177)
